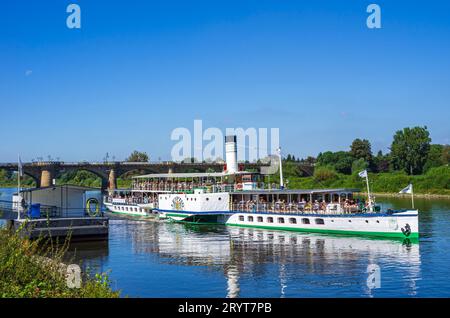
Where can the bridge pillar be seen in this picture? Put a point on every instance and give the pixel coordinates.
(46, 178)
(112, 181)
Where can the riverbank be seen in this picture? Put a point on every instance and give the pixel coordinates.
(24, 274)
(433, 184)
(418, 196)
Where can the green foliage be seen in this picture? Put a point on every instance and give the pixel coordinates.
(9, 179)
(324, 173)
(341, 161)
(389, 182)
(446, 154)
(361, 149)
(292, 169)
(137, 156)
(435, 157)
(291, 158)
(410, 148)
(435, 178)
(435, 181)
(80, 177)
(359, 165)
(381, 163)
(24, 272)
(309, 160)
(124, 183)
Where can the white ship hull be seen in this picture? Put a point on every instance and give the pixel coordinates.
(143, 210)
(401, 225)
(397, 225)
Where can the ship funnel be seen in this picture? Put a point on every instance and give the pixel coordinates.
(231, 154)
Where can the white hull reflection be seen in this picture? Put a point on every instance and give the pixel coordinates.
(240, 251)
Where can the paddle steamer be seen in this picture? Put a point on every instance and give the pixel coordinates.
(240, 198)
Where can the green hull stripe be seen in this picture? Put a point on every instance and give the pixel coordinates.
(414, 235)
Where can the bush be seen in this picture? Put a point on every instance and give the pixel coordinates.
(24, 272)
(359, 165)
(340, 161)
(326, 173)
(435, 181)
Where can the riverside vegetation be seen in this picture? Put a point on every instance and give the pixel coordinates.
(412, 158)
(32, 269)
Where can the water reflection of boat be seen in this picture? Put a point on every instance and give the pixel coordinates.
(240, 251)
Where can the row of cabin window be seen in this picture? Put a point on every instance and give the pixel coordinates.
(131, 209)
(282, 220)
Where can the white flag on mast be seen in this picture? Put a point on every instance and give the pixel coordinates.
(363, 174)
(408, 189)
(20, 168)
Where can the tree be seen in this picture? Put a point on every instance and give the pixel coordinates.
(289, 158)
(324, 173)
(137, 156)
(341, 161)
(292, 170)
(435, 157)
(446, 154)
(410, 148)
(381, 162)
(309, 160)
(361, 149)
(359, 165)
(5, 175)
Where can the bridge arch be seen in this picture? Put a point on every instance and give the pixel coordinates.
(134, 172)
(98, 174)
(37, 180)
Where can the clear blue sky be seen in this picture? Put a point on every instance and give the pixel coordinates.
(138, 69)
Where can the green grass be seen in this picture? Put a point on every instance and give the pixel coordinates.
(435, 181)
(24, 274)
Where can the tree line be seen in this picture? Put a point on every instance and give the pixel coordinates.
(411, 151)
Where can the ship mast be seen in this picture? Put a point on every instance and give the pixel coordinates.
(281, 168)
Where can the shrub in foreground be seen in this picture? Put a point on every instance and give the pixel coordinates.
(25, 272)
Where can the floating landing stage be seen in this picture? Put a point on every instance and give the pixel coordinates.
(77, 229)
(65, 211)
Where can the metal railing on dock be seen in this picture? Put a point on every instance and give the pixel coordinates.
(8, 210)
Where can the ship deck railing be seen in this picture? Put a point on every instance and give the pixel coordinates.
(190, 190)
(293, 209)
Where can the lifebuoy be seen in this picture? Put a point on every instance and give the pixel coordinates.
(89, 210)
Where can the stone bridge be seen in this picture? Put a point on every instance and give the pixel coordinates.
(43, 173)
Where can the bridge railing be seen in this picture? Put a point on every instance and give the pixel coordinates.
(101, 163)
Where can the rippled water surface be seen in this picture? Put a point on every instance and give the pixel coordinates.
(155, 259)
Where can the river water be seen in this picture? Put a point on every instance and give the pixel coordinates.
(146, 258)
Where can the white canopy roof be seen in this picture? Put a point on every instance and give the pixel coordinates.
(188, 175)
